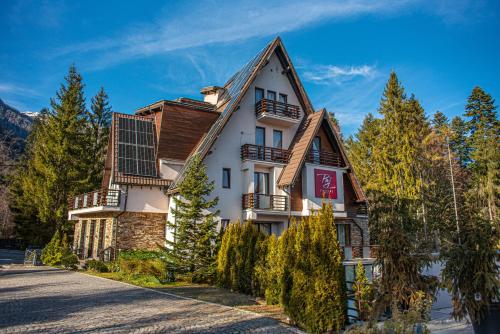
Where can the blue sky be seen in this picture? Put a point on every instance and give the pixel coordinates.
(144, 51)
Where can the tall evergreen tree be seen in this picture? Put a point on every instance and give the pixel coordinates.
(440, 121)
(484, 141)
(99, 128)
(193, 228)
(56, 167)
(361, 150)
(458, 140)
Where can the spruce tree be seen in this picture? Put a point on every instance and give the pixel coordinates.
(397, 207)
(458, 141)
(58, 151)
(440, 121)
(361, 150)
(99, 128)
(193, 229)
(484, 142)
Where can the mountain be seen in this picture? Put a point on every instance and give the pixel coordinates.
(14, 128)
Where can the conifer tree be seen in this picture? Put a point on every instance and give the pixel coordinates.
(440, 121)
(363, 292)
(192, 226)
(56, 166)
(361, 150)
(99, 128)
(313, 283)
(484, 142)
(458, 141)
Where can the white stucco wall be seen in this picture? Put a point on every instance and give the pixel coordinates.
(146, 199)
(225, 152)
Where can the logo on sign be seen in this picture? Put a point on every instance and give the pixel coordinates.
(325, 183)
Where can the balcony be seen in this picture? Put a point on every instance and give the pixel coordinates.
(277, 113)
(98, 200)
(264, 202)
(264, 153)
(325, 158)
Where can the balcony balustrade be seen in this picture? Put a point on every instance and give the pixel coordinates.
(264, 153)
(276, 112)
(325, 158)
(264, 202)
(101, 197)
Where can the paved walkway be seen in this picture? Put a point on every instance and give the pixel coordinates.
(46, 300)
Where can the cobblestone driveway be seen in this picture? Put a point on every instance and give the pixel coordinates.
(45, 300)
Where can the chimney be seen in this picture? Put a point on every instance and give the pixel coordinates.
(211, 94)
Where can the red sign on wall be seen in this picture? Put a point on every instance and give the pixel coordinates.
(325, 183)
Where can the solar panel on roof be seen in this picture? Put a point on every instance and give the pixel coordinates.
(136, 150)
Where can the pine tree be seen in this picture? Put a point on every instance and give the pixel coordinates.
(192, 249)
(484, 141)
(99, 128)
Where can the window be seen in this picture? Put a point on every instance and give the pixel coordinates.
(344, 234)
(271, 95)
(277, 138)
(316, 147)
(264, 228)
(259, 94)
(283, 98)
(260, 136)
(261, 183)
(226, 178)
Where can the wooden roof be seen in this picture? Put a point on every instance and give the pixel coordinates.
(299, 148)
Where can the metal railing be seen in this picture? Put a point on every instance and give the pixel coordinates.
(264, 153)
(273, 107)
(264, 202)
(325, 158)
(101, 197)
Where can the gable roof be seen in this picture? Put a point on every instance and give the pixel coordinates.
(302, 143)
(299, 148)
(235, 89)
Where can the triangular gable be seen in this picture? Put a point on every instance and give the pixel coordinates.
(301, 146)
(235, 89)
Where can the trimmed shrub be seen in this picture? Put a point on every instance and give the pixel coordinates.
(70, 261)
(270, 270)
(142, 263)
(242, 248)
(363, 293)
(313, 290)
(97, 266)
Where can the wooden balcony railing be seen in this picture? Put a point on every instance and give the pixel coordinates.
(264, 202)
(273, 107)
(325, 158)
(101, 197)
(264, 153)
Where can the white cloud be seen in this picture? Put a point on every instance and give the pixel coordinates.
(16, 90)
(337, 74)
(205, 23)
